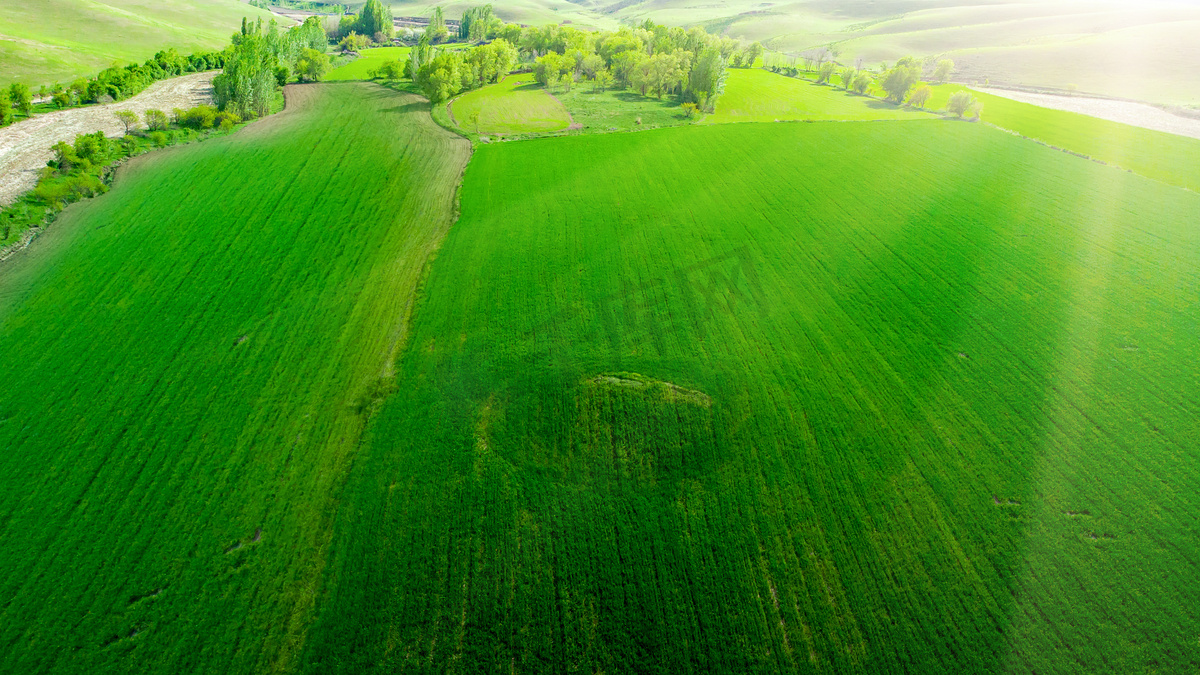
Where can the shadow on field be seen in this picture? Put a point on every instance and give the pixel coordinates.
(634, 97)
(416, 106)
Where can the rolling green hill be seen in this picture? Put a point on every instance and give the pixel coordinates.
(821, 397)
(189, 363)
(57, 40)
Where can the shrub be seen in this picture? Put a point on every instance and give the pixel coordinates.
(200, 117)
(158, 138)
(227, 120)
(156, 120)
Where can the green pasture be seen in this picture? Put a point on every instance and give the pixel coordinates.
(785, 398)
(1155, 154)
(57, 40)
(618, 109)
(515, 105)
(368, 60)
(756, 95)
(189, 361)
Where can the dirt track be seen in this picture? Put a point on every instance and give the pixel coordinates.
(25, 146)
(1126, 112)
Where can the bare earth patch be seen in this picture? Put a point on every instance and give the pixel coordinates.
(1125, 112)
(25, 146)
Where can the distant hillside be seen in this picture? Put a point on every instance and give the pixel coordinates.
(44, 41)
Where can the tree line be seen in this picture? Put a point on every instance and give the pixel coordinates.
(651, 59)
(261, 59)
(111, 84)
(901, 83)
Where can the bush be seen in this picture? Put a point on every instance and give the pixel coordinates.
(200, 117)
(354, 42)
(158, 138)
(227, 120)
(156, 120)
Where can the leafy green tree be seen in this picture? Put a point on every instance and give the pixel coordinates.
(705, 77)
(376, 19)
(592, 63)
(507, 56)
(476, 23)
(901, 78)
(436, 30)
(689, 110)
(282, 75)
(666, 73)
(312, 65)
(65, 158)
(921, 96)
(156, 120)
(753, 52)
(418, 56)
(862, 82)
(624, 64)
(22, 98)
(62, 99)
(943, 70)
(848, 74)
(354, 42)
(441, 77)
(79, 87)
(127, 118)
(962, 102)
(199, 117)
(248, 84)
(550, 67)
(390, 70)
(602, 80)
(6, 113)
(825, 74)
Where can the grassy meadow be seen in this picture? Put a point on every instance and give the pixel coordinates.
(1165, 157)
(879, 412)
(57, 40)
(190, 360)
(368, 60)
(515, 105)
(757, 95)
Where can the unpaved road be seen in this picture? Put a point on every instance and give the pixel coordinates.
(1126, 112)
(25, 146)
